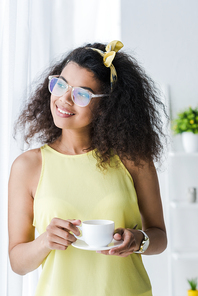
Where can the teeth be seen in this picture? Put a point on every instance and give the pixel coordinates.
(64, 112)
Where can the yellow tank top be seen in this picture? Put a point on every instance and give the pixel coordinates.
(71, 187)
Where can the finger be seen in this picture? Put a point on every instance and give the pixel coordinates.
(66, 224)
(122, 254)
(59, 232)
(60, 236)
(55, 246)
(117, 236)
(64, 234)
(72, 226)
(52, 238)
(127, 245)
(53, 241)
(119, 231)
(75, 221)
(126, 248)
(107, 252)
(125, 254)
(103, 252)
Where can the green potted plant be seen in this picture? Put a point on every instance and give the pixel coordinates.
(193, 285)
(186, 123)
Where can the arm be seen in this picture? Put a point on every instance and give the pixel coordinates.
(27, 253)
(150, 205)
(149, 200)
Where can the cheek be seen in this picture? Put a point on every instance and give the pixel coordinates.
(94, 103)
(86, 117)
(89, 112)
(52, 103)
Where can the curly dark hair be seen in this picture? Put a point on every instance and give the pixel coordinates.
(127, 122)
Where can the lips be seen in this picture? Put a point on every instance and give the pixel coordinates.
(64, 112)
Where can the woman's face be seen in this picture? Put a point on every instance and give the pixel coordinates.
(78, 118)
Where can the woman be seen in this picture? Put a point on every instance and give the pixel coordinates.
(101, 131)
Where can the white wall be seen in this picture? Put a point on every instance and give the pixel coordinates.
(163, 36)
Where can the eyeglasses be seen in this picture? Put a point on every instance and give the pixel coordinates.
(80, 96)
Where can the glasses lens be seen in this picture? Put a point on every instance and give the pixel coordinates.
(81, 97)
(57, 86)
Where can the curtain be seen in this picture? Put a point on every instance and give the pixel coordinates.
(33, 33)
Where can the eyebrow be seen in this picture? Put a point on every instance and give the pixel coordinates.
(88, 88)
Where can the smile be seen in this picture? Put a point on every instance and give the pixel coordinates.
(64, 112)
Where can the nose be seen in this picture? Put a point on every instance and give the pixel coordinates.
(66, 98)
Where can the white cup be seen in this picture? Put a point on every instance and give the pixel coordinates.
(97, 233)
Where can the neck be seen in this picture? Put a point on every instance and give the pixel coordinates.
(72, 142)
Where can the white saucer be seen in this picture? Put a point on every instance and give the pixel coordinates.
(80, 244)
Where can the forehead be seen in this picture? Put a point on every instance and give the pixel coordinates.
(76, 75)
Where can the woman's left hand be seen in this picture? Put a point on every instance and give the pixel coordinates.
(132, 239)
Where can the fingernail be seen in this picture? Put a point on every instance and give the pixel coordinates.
(98, 251)
(111, 252)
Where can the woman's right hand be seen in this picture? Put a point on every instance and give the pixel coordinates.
(58, 234)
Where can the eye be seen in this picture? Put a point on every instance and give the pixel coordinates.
(83, 93)
(81, 96)
(61, 84)
(58, 87)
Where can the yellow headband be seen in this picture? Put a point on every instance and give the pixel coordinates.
(108, 56)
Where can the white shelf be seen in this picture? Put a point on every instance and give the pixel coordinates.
(184, 255)
(181, 175)
(184, 204)
(179, 171)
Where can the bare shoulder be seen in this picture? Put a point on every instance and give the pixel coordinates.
(27, 160)
(26, 169)
(145, 169)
